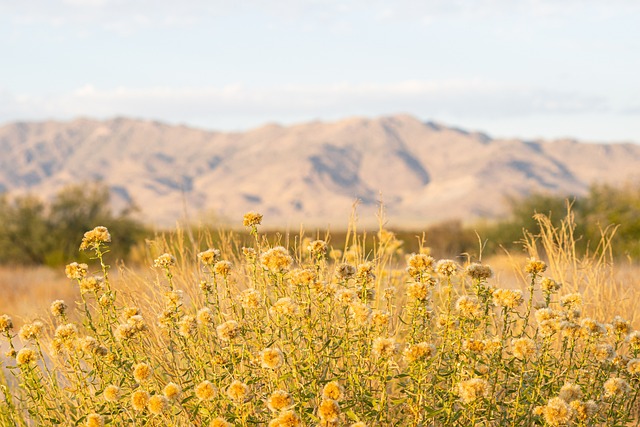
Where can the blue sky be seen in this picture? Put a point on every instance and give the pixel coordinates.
(511, 68)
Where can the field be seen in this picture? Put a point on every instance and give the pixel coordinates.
(291, 331)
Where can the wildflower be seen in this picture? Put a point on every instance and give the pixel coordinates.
(111, 393)
(252, 219)
(302, 276)
(479, 271)
(249, 253)
(359, 424)
(89, 345)
(420, 263)
(621, 327)
(95, 420)
(6, 323)
(329, 410)
(286, 419)
(604, 353)
(360, 312)
(94, 238)
(364, 272)
(91, 284)
(271, 358)
(571, 301)
(67, 332)
(250, 299)
(125, 332)
(616, 387)
(172, 391)
(165, 261)
(446, 267)
(557, 412)
(238, 391)
(76, 271)
(633, 339)
(633, 366)
(30, 331)
(107, 299)
(468, 307)
(473, 345)
(507, 298)
(157, 404)
(279, 400)
(584, 411)
(570, 392)
(139, 400)
(473, 389)
(58, 308)
(142, 372)
(228, 330)
(346, 296)
(591, 327)
(205, 316)
(285, 306)
(384, 347)
(380, 318)
(222, 268)
(418, 290)
(333, 390)
(345, 271)
(544, 314)
(187, 326)
(276, 259)
(220, 422)
(209, 257)
(549, 286)
(26, 356)
(317, 248)
(492, 345)
(535, 266)
(419, 351)
(205, 390)
(173, 299)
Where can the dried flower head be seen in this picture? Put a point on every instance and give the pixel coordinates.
(220, 422)
(187, 326)
(67, 332)
(616, 387)
(418, 352)
(468, 307)
(95, 420)
(31, 331)
(473, 389)
(570, 392)
(523, 348)
(222, 268)
(286, 307)
(250, 299)
(111, 393)
(58, 308)
(142, 372)
(271, 358)
(592, 328)
(279, 400)
(535, 266)
(604, 353)
(209, 257)
(238, 391)
(302, 276)
(93, 239)
(252, 219)
(557, 412)
(276, 259)
(26, 356)
(172, 391)
(165, 261)
(157, 404)
(384, 347)
(420, 264)
(507, 298)
(479, 271)
(446, 267)
(633, 366)
(380, 318)
(91, 284)
(286, 419)
(329, 410)
(205, 390)
(139, 400)
(204, 316)
(364, 272)
(6, 323)
(345, 271)
(419, 291)
(571, 301)
(228, 330)
(318, 248)
(76, 271)
(549, 286)
(359, 424)
(333, 390)
(633, 339)
(584, 411)
(621, 327)
(249, 253)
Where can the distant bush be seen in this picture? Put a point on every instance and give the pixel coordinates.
(33, 231)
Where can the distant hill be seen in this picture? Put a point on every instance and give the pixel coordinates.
(309, 173)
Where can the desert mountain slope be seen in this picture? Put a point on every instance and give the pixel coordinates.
(309, 173)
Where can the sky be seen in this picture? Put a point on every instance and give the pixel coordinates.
(510, 68)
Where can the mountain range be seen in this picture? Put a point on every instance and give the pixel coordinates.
(309, 173)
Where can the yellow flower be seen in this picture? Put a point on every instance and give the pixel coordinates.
(222, 268)
(419, 351)
(508, 298)
(95, 420)
(6, 323)
(30, 331)
(220, 422)
(142, 372)
(616, 387)
(111, 393)
(418, 290)
(76, 271)
(252, 219)
(276, 259)
(139, 400)
(228, 330)
(271, 358)
(549, 285)
(58, 308)
(468, 307)
(570, 392)
(209, 257)
(157, 404)
(94, 238)
(633, 366)
(473, 389)
(165, 261)
(446, 267)
(523, 348)
(187, 326)
(584, 410)
(384, 347)
(535, 266)
(286, 419)
(172, 391)
(91, 284)
(329, 410)
(26, 356)
(238, 391)
(333, 390)
(279, 401)
(205, 390)
(317, 247)
(557, 412)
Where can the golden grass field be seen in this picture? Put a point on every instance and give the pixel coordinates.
(294, 332)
